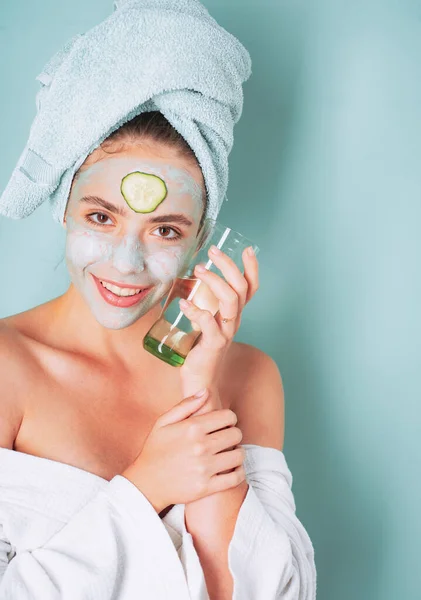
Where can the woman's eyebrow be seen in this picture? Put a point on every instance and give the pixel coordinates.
(169, 218)
(97, 201)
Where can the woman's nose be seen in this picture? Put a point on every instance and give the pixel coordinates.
(129, 257)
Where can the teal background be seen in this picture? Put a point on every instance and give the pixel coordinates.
(325, 177)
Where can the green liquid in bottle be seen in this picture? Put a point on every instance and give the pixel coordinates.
(163, 352)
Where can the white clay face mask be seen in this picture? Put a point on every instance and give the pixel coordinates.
(127, 249)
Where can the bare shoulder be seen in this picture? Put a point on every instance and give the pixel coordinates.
(254, 383)
(17, 367)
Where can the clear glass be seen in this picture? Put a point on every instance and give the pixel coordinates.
(173, 335)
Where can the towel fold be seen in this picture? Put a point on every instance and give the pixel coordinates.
(165, 55)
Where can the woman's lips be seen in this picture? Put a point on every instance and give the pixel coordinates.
(121, 301)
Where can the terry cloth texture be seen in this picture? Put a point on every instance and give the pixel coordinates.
(165, 55)
(68, 534)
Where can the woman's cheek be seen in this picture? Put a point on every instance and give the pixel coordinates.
(84, 248)
(165, 265)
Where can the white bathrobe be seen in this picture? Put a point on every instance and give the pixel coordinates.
(67, 534)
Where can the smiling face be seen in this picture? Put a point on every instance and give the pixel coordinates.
(112, 251)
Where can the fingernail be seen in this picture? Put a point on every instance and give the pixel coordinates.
(200, 268)
(201, 393)
(184, 303)
(215, 250)
(250, 251)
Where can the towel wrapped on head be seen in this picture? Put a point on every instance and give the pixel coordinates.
(148, 55)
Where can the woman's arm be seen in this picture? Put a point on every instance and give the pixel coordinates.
(211, 521)
(249, 541)
(269, 555)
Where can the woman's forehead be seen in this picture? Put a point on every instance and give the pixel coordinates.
(103, 178)
(118, 165)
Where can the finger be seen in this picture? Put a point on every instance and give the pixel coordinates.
(183, 409)
(226, 481)
(215, 420)
(231, 273)
(204, 408)
(212, 337)
(231, 325)
(228, 297)
(251, 273)
(227, 460)
(226, 438)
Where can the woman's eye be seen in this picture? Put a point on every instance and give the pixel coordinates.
(176, 235)
(100, 218)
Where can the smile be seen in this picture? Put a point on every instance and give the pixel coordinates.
(120, 295)
(119, 291)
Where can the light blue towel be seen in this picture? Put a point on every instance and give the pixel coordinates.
(166, 55)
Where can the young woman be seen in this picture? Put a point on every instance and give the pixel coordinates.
(118, 479)
(78, 388)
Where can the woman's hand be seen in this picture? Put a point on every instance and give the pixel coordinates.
(184, 457)
(202, 365)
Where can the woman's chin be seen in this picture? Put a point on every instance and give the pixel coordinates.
(117, 326)
(118, 321)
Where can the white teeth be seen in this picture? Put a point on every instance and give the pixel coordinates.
(120, 291)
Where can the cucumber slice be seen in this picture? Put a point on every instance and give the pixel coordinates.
(143, 192)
